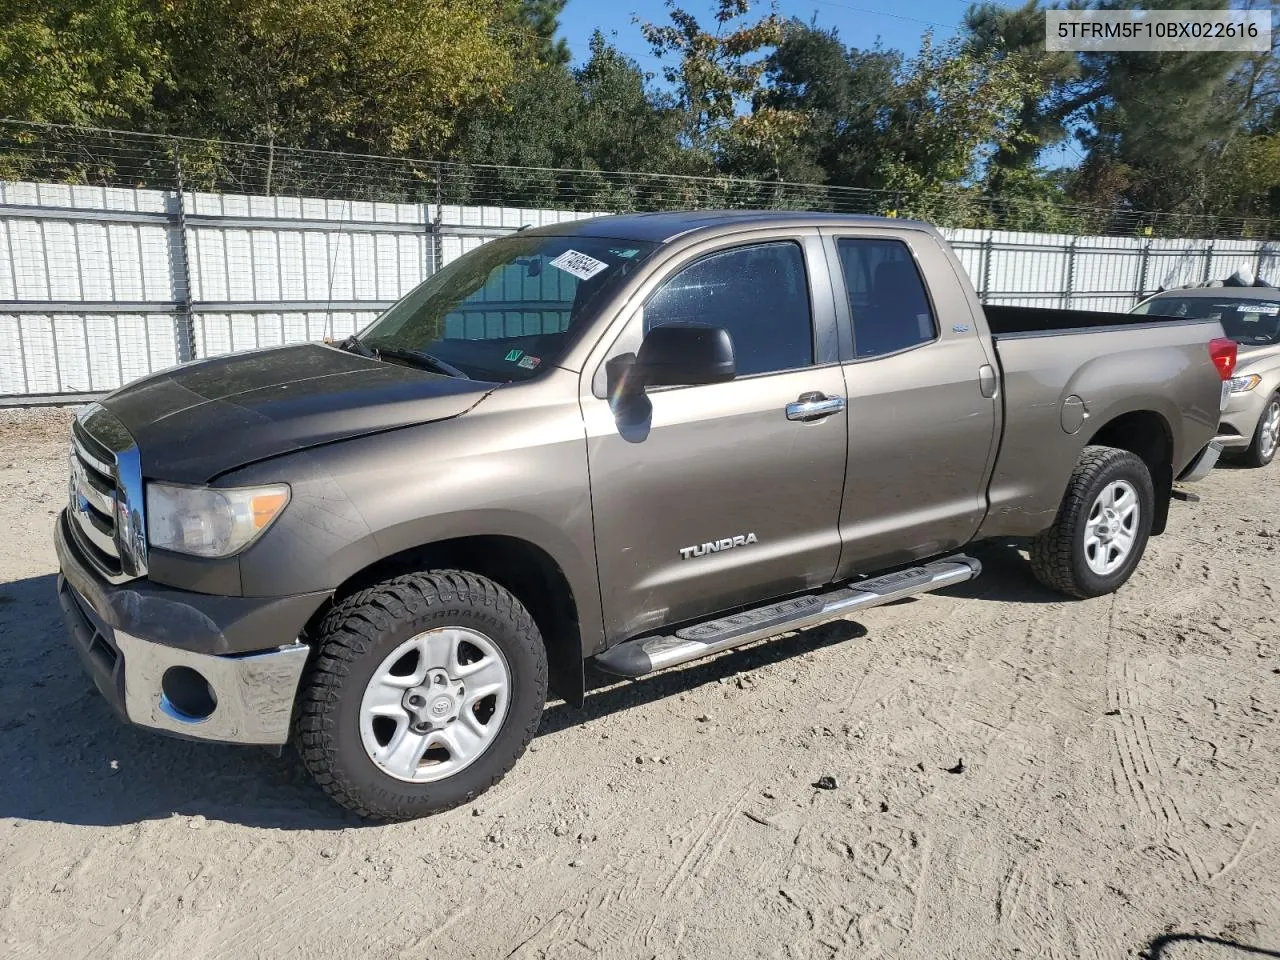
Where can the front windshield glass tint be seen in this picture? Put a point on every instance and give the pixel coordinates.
(509, 308)
(1248, 322)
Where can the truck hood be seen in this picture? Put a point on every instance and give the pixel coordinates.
(194, 422)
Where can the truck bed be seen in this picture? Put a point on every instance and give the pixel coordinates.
(1012, 321)
(1066, 373)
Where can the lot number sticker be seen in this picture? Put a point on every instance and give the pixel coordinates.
(1265, 309)
(579, 264)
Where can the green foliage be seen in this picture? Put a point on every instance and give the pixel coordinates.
(998, 31)
(954, 109)
(541, 18)
(760, 110)
(79, 61)
(383, 76)
(845, 95)
(717, 74)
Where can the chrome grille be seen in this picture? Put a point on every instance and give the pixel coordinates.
(105, 492)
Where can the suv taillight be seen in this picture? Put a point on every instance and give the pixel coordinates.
(1223, 351)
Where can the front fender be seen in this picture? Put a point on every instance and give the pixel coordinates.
(360, 501)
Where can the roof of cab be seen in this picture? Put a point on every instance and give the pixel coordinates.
(664, 226)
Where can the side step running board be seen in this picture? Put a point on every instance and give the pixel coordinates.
(635, 658)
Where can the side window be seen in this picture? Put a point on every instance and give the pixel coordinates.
(760, 294)
(887, 298)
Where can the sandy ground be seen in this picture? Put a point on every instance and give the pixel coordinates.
(1015, 777)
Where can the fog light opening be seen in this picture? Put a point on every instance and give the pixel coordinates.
(186, 695)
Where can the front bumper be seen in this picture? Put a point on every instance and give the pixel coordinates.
(125, 638)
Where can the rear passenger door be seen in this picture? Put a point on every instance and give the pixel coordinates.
(923, 410)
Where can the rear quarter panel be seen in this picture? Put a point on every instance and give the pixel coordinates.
(1162, 368)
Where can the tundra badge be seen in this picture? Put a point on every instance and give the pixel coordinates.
(715, 546)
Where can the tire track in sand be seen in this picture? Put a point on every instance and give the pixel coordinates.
(1136, 763)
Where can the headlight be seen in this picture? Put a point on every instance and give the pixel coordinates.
(210, 522)
(1245, 384)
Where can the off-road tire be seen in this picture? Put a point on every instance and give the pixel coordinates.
(1253, 456)
(353, 639)
(1058, 555)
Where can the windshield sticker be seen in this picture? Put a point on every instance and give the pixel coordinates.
(513, 355)
(579, 264)
(1267, 309)
(626, 254)
(529, 363)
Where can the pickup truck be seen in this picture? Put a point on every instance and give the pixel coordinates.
(633, 440)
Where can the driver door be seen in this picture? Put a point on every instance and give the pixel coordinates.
(730, 493)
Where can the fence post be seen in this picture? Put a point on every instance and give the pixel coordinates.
(434, 223)
(1208, 263)
(1068, 293)
(1142, 271)
(985, 287)
(184, 328)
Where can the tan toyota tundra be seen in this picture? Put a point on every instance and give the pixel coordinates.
(634, 440)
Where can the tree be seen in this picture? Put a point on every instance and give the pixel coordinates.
(954, 111)
(93, 62)
(844, 95)
(1248, 177)
(383, 76)
(622, 124)
(541, 18)
(601, 117)
(717, 76)
(1061, 91)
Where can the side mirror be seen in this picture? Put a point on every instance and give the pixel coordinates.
(684, 356)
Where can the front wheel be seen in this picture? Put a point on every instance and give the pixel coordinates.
(425, 691)
(1266, 437)
(1102, 527)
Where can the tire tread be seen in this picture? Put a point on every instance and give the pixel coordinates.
(348, 633)
(1053, 550)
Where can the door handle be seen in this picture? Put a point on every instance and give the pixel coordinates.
(814, 406)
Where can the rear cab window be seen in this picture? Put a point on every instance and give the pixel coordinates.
(888, 300)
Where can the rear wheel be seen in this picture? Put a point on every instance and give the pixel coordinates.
(1266, 437)
(1102, 527)
(425, 691)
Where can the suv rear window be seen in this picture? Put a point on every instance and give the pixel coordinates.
(1247, 320)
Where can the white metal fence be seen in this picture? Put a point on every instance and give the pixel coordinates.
(101, 285)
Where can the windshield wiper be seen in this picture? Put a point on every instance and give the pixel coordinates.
(354, 344)
(419, 359)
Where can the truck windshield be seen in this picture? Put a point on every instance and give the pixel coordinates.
(506, 310)
(1247, 321)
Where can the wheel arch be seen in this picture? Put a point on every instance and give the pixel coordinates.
(524, 568)
(1148, 435)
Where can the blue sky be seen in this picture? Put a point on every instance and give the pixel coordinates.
(860, 22)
